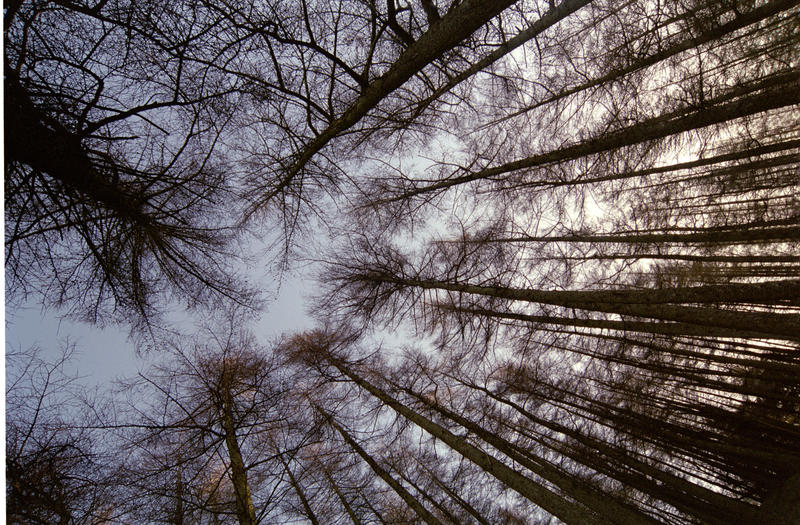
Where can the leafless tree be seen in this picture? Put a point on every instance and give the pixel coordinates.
(57, 471)
(205, 424)
(116, 194)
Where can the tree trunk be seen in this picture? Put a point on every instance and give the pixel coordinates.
(777, 91)
(647, 327)
(572, 487)
(34, 139)
(244, 502)
(310, 514)
(716, 507)
(742, 20)
(456, 26)
(548, 20)
(782, 507)
(461, 501)
(536, 493)
(406, 496)
(743, 235)
(347, 507)
(179, 513)
(647, 303)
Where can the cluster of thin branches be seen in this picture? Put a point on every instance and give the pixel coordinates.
(583, 215)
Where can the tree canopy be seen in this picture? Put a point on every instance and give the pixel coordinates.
(580, 219)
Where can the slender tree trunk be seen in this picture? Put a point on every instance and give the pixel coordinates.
(551, 502)
(179, 512)
(401, 491)
(743, 20)
(347, 507)
(573, 487)
(744, 235)
(647, 327)
(444, 510)
(727, 259)
(244, 502)
(458, 499)
(704, 443)
(770, 292)
(456, 26)
(647, 303)
(777, 91)
(739, 154)
(549, 19)
(717, 507)
(310, 514)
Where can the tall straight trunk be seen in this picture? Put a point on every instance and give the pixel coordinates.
(443, 509)
(742, 20)
(714, 236)
(241, 489)
(339, 494)
(725, 259)
(645, 303)
(310, 514)
(712, 354)
(704, 443)
(647, 327)
(554, 15)
(538, 494)
(401, 491)
(179, 517)
(458, 499)
(717, 507)
(692, 375)
(759, 293)
(744, 153)
(455, 27)
(572, 487)
(709, 175)
(774, 92)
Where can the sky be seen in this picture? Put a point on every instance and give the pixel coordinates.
(105, 354)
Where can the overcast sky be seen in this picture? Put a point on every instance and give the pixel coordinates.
(106, 354)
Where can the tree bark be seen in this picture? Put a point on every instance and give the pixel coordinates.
(552, 17)
(310, 514)
(573, 487)
(654, 303)
(42, 143)
(777, 91)
(347, 507)
(647, 327)
(716, 507)
(744, 235)
(742, 20)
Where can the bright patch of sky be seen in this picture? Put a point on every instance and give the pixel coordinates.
(105, 354)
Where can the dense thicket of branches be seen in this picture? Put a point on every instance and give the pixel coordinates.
(617, 299)
(586, 215)
(115, 194)
(57, 470)
(134, 128)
